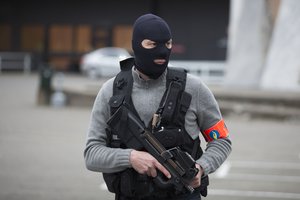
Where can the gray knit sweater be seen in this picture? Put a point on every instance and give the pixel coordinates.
(146, 95)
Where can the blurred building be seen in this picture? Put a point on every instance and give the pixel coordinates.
(59, 32)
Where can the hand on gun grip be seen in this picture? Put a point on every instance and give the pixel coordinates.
(196, 181)
(145, 163)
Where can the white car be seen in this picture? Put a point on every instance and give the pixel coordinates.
(103, 62)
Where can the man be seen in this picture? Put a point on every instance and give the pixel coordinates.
(195, 112)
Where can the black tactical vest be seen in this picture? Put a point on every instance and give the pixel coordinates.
(168, 127)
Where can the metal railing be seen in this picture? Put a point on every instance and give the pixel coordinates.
(211, 72)
(15, 60)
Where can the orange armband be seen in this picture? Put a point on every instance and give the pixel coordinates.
(219, 130)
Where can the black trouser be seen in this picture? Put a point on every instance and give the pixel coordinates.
(194, 196)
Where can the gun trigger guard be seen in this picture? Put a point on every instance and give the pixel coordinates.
(167, 155)
(158, 180)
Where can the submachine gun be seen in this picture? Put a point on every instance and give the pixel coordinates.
(179, 163)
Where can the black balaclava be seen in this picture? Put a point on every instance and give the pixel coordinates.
(154, 28)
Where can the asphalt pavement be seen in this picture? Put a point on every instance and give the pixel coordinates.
(41, 151)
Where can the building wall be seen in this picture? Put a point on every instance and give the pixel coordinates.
(61, 31)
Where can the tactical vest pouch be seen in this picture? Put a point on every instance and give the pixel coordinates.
(112, 181)
(119, 126)
(115, 102)
(170, 137)
(113, 139)
(133, 184)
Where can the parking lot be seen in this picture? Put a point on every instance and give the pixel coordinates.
(41, 152)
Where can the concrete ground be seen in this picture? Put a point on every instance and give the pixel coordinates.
(41, 152)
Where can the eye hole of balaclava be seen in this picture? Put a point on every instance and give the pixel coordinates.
(153, 28)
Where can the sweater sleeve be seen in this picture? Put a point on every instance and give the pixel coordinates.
(208, 115)
(99, 157)
(215, 154)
